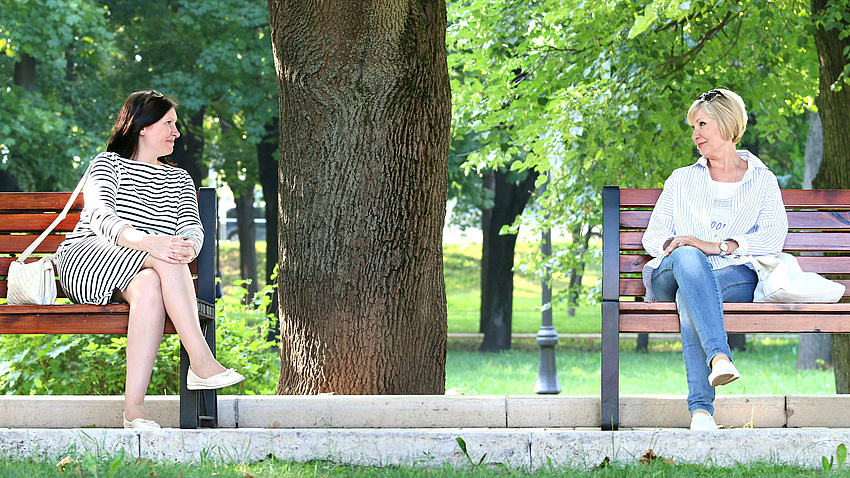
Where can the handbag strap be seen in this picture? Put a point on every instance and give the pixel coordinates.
(58, 219)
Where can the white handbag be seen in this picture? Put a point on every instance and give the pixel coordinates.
(34, 283)
(782, 280)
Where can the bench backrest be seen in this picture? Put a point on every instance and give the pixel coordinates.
(818, 233)
(23, 216)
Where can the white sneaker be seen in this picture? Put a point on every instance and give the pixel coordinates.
(722, 373)
(703, 422)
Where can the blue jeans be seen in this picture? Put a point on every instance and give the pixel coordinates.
(686, 277)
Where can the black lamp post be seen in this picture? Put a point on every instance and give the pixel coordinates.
(547, 337)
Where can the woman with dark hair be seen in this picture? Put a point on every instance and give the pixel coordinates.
(138, 232)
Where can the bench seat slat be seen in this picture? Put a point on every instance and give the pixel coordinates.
(794, 241)
(815, 220)
(39, 201)
(15, 244)
(793, 198)
(633, 264)
(794, 322)
(633, 287)
(36, 223)
(5, 261)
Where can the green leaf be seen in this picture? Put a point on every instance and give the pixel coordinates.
(643, 22)
(841, 454)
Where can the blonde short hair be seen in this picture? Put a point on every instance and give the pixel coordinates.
(727, 108)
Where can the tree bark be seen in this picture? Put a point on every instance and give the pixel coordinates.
(365, 119)
(247, 231)
(834, 173)
(497, 257)
(268, 167)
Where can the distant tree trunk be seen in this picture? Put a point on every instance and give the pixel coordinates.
(497, 256)
(365, 121)
(813, 347)
(814, 149)
(25, 73)
(247, 232)
(833, 105)
(577, 272)
(189, 147)
(268, 167)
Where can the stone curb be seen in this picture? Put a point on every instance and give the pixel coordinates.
(438, 411)
(517, 448)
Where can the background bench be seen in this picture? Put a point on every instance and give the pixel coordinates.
(23, 216)
(819, 234)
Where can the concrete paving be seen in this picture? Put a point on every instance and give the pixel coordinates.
(519, 431)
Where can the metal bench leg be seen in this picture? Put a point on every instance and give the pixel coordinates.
(198, 408)
(610, 365)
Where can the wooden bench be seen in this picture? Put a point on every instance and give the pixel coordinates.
(819, 230)
(23, 216)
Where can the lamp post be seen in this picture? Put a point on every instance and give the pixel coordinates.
(547, 337)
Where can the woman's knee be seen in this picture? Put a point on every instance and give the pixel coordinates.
(146, 284)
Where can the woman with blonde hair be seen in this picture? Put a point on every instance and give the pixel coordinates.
(709, 215)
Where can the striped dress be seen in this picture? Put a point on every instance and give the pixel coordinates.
(120, 192)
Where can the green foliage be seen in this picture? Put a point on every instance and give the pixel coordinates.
(596, 92)
(95, 364)
(48, 127)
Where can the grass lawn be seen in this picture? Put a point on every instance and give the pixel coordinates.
(91, 466)
(461, 265)
(767, 368)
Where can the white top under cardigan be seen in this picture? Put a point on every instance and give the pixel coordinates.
(758, 222)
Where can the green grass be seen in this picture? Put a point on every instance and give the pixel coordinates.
(461, 265)
(767, 368)
(91, 466)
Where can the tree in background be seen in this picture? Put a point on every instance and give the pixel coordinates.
(365, 116)
(832, 37)
(604, 87)
(54, 93)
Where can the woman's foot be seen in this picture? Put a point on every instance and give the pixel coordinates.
(702, 421)
(220, 380)
(140, 424)
(723, 372)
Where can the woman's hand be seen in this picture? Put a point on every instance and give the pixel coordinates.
(171, 249)
(679, 241)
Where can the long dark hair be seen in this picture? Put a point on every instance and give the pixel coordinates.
(142, 109)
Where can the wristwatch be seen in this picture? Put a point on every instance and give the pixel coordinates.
(724, 248)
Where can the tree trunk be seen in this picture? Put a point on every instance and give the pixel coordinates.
(814, 149)
(189, 147)
(813, 348)
(25, 73)
(834, 173)
(365, 119)
(268, 167)
(247, 231)
(497, 256)
(577, 272)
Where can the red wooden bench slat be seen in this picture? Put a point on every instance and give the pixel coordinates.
(633, 287)
(825, 265)
(817, 220)
(39, 201)
(19, 222)
(742, 323)
(5, 261)
(15, 244)
(795, 241)
(793, 198)
(69, 319)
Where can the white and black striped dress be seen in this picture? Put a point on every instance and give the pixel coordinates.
(120, 192)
